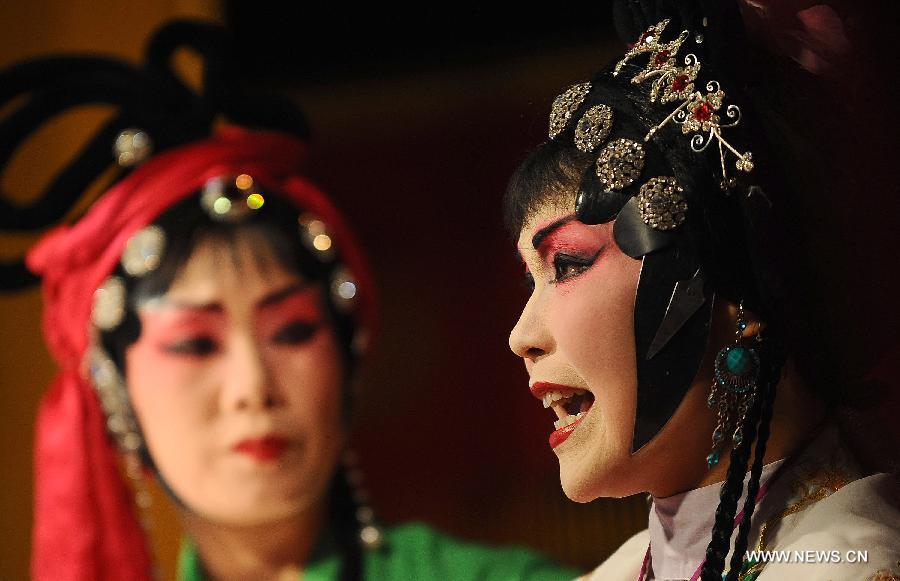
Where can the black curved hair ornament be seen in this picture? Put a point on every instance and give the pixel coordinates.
(151, 97)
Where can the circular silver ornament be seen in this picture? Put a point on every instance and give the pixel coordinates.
(132, 146)
(620, 163)
(593, 128)
(661, 203)
(143, 251)
(108, 309)
(565, 105)
(343, 289)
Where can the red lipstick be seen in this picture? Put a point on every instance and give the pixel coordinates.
(561, 435)
(263, 449)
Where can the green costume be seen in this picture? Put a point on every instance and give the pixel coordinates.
(416, 552)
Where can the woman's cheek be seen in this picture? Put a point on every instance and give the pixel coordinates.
(162, 380)
(311, 371)
(593, 322)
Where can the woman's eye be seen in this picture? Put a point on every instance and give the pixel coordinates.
(296, 333)
(566, 266)
(194, 346)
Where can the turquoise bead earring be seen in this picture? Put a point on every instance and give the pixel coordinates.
(733, 389)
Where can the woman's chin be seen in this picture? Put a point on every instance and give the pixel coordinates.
(585, 479)
(251, 513)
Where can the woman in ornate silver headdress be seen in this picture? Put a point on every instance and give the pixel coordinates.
(675, 326)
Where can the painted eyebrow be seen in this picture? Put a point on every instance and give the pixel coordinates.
(280, 295)
(542, 234)
(268, 300)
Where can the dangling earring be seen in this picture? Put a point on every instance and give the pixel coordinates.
(370, 534)
(733, 390)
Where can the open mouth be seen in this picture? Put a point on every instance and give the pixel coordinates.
(569, 404)
(569, 408)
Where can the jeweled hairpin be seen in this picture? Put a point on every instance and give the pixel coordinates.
(697, 111)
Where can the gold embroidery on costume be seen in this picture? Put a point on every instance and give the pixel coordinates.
(813, 483)
(887, 575)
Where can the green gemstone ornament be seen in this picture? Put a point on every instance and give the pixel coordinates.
(738, 360)
(737, 368)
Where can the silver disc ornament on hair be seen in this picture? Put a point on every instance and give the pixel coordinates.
(231, 199)
(593, 128)
(661, 203)
(620, 163)
(132, 146)
(143, 251)
(343, 289)
(108, 308)
(565, 105)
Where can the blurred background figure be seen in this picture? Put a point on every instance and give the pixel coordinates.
(208, 313)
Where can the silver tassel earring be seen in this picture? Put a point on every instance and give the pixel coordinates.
(733, 390)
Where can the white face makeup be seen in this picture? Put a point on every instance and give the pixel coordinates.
(236, 380)
(576, 337)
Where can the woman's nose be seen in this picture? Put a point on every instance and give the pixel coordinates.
(529, 338)
(249, 383)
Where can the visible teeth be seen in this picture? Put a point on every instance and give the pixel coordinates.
(568, 420)
(552, 396)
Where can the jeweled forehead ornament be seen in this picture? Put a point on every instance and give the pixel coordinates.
(230, 199)
(697, 111)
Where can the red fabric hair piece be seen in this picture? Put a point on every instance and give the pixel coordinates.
(85, 522)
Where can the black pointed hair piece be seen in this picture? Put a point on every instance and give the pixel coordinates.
(717, 34)
(151, 97)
